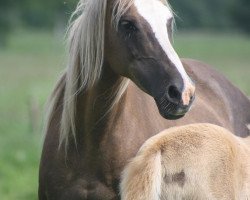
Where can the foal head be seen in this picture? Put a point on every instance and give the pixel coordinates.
(138, 46)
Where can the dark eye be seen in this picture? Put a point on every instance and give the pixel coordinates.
(128, 26)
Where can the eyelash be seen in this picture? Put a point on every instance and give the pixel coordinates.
(128, 27)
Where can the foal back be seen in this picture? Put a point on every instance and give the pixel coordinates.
(193, 162)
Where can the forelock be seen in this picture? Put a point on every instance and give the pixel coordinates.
(120, 7)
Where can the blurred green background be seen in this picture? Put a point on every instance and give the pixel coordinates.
(32, 55)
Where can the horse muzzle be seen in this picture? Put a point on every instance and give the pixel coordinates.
(174, 104)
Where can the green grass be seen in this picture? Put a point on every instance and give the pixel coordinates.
(29, 68)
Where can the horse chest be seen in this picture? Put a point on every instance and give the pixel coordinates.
(122, 141)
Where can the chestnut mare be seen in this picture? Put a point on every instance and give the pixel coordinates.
(124, 83)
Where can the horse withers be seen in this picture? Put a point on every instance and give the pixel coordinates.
(192, 162)
(124, 83)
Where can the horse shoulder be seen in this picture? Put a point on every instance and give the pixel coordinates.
(220, 94)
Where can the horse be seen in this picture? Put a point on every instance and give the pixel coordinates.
(124, 83)
(197, 161)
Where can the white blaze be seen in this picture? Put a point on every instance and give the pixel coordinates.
(157, 15)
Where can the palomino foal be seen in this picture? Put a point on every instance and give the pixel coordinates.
(192, 162)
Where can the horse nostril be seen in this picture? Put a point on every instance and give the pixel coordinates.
(174, 94)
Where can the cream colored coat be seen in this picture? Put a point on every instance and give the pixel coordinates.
(193, 162)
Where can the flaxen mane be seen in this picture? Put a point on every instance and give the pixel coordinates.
(85, 59)
(86, 52)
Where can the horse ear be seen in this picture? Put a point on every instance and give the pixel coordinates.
(141, 179)
(248, 126)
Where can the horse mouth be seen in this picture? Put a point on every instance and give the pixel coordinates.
(170, 110)
(170, 116)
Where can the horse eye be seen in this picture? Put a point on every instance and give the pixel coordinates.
(128, 25)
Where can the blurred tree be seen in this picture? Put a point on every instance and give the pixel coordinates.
(241, 15)
(46, 13)
(198, 14)
(5, 22)
(192, 14)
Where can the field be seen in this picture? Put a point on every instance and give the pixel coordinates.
(29, 67)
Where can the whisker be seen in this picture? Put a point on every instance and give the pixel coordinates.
(162, 99)
(170, 107)
(166, 105)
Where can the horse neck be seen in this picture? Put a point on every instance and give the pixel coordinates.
(94, 106)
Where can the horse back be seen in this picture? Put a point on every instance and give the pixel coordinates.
(216, 90)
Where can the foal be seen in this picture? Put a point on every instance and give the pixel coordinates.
(199, 161)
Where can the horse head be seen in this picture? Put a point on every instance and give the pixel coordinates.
(138, 46)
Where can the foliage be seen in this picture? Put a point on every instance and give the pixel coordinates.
(209, 14)
(4, 21)
(192, 14)
(241, 15)
(45, 13)
(212, 14)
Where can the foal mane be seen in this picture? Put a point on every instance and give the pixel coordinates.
(85, 37)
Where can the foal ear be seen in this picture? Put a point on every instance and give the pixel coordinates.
(141, 179)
